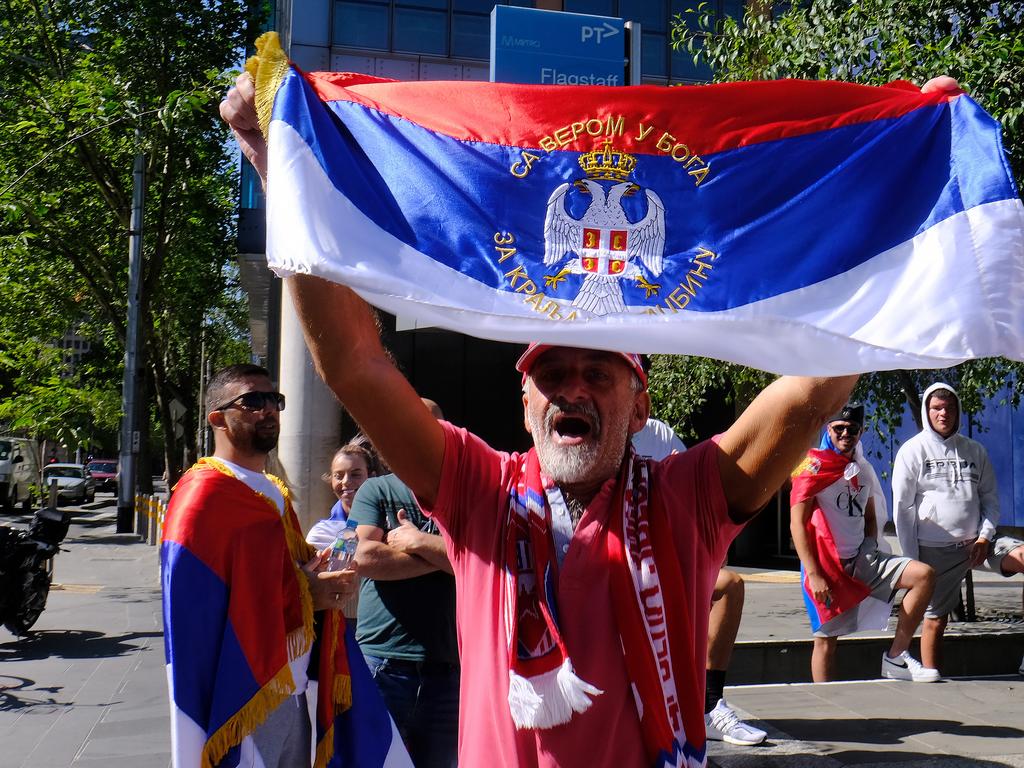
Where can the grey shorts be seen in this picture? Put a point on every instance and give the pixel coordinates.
(951, 564)
(881, 573)
(1001, 547)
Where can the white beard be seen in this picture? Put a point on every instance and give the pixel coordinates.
(570, 464)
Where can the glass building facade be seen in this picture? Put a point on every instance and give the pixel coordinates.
(459, 30)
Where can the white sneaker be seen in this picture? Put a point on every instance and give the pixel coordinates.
(906, 667)
(722, 724)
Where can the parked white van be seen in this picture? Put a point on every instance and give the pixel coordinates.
(19, 469)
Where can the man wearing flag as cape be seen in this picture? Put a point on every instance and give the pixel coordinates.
(252, 621)
(832, 519)
(584, 575)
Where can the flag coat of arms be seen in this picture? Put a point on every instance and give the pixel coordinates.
(794, 226)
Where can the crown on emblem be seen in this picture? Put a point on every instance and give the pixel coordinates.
(608, 164)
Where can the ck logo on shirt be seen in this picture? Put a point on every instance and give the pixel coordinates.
(849, 501)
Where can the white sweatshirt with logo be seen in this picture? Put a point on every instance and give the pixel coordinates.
(944, 489)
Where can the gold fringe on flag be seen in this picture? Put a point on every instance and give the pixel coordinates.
(268, 68)
(325, 749)
(249, 717)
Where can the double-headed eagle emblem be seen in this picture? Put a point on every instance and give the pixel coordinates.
(603, 242)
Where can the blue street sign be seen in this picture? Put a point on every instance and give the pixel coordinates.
(556, 48)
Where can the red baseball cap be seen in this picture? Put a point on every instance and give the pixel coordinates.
(535, 350)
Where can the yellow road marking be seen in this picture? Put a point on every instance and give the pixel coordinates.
(81, 589)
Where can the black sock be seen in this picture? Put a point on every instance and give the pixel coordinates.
(714, 688)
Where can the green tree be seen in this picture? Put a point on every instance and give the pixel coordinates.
(872, 42)
(87, 84)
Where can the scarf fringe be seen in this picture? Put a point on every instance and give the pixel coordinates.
(248, 718)
(549, 699)
(268, 68)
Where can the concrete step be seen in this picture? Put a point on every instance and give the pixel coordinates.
(985, 649)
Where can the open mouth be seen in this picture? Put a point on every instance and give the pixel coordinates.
(571, 429)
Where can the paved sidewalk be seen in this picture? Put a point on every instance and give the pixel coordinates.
(88, 689)
(876, 724)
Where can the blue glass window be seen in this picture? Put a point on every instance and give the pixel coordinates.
(419, 30)
(652, 14)
(471, 36)
(361, 24)
(595, 7)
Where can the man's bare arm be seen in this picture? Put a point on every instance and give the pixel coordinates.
(380, 562)
(342, 336)
(799, 515)
(757, 453)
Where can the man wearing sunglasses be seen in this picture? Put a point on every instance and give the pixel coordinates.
(832, 520)
(240, 590)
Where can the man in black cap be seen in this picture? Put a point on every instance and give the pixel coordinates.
(835, 533)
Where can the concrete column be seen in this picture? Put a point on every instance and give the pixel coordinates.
(310, 424)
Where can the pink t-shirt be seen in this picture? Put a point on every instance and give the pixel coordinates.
(471, 510)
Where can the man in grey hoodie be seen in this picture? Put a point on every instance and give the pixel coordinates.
(946, 509)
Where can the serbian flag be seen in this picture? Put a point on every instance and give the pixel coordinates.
(794, 226)
(820, 469)
(241, 636)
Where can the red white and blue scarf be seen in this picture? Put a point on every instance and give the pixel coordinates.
(650, 607)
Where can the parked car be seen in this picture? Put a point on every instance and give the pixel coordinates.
(104, 472)
(19, 469)
(74, 481)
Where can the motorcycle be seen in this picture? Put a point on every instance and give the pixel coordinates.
(26, 567)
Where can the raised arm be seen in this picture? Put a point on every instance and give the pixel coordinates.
(342, 335)
(343, 339)
(759, 451)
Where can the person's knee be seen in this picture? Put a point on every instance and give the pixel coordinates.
(1013, 562)
(935, 625)
(729, 585)
(919, 576)
(825, 646)
(735, 588)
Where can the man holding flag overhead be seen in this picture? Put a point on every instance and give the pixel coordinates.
(832, 519)
(606, 648)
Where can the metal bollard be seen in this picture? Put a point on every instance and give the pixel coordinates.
(52, 501)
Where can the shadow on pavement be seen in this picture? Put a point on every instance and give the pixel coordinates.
(885, 730)
(914, 758)
(110, 538)
(748, 757)
(72, 644)
(10, 700)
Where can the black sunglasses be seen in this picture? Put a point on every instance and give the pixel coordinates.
(846, 429)
(255, 401)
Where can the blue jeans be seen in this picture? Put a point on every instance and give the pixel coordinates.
(423, 698)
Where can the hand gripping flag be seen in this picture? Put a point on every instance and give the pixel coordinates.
(794, 226)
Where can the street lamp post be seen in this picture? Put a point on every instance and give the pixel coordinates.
(129, 421)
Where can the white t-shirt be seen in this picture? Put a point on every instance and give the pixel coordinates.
(844, 504)
(657, 440)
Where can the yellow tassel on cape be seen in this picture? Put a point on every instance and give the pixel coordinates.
(268, 68)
